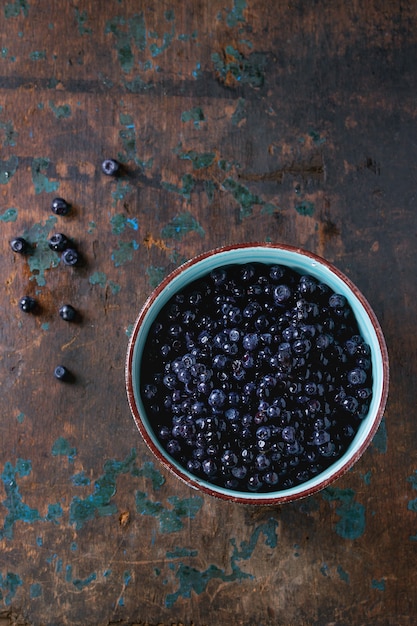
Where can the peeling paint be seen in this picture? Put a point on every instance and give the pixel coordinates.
(305, 208)
(9, 584)
(245, 198)
(124, 252)
(81, 19)
(127, 33)
(62, 111)
(39, 178)
(8, 169)
(13, 9)
(155, 275)
(380, 440)
(194, 115)
(62, 447)
(239, 113)
(170, 519)
(199, 160)
(352, 514)
(232, 68)
(187, 185)
(10, 215)
(42, 257)
(181, 225)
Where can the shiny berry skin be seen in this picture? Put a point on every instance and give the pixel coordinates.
(60, 206)
(70, 257)
(27, 304)
(61, 373)
(58, 242)
(67, 313)
(19, 245)
(110, 167)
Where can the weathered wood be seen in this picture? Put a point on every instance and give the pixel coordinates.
(235, 121)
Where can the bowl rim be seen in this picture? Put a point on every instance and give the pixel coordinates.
(274, 497)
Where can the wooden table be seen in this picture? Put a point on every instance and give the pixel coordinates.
(235, 121)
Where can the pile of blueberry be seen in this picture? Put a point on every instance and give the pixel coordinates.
(255, 377)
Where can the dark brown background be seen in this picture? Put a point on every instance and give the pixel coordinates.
(236, 120)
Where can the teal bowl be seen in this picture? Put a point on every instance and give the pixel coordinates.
(305, 263)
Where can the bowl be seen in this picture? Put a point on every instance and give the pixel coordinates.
(304, 263)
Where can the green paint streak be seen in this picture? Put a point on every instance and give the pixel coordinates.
(62, 447)
(37, 55)
(42, 257)
(187, 185)
(180, 226)
(81, 19)
(8, 587)
(129, 330)
(199, 160)
(155, 275)
(192, 579)
(114, 287)
(10, 215)
(209, 188)
(9, 133)
(269, 209)
(20, 418)
(378, 584)
(235, 15)
(13, 9)
(98, 278)
(194, 115)
(35, 590)
(62, 111)
(243, 196)
(126, 33)
(119, 222)
(100, 501)
(39, 178)
(122, 190)
(179, 553)
(128, 138)
(8, 169)
(80, 479)
(170, 520)
(380, 440)
(305, 208)
(317, 139)
(124, 252)
(137, 85)
(352, 514)
(148, 471)
(235, 68)
(81, 583)
(17, 509)
(342, 574)
(239, 113)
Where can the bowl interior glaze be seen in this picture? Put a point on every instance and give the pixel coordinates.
(303, 262)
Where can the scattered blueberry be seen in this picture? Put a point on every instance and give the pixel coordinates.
(70, 256)
(27, 304)
(110, 167)
(61, 373)
(60, 206)
(256, 377)
(19, 245)
(68, 313)
(58, 242)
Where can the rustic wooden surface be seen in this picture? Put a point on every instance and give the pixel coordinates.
(236, 120)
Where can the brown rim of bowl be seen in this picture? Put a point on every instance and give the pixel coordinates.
(233, 497)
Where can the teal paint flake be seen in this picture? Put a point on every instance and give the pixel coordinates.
(80, 479)
(8, 587)
(17, 509)
(20, 418)
(99, 503)
(352, 514)
(378, 584)
(121, 191)
(114, 287)
(91, 227)
(412, 504)
(180, 553)
(269, 209)
(81, 19)
(194, 115)
(8, 169)
(13, 9)
(233, 66)
(170, 520)
(197, 73)
(10, 215)
(37, 55)
(42, 257)
(81, 583)
(68, 573)
(199, 160)
(107, 573)
(127, 33)
(62, 447)
(169, 15)
(305, 208)
(342, 574)
(124, 252)
(39, 541)
(155, 275)
(98, 278)
(367, 477)
(74, 546)
(39, 178)
(9, 133)
(45, 326)
(148, 471)
(324, 570)
(315, 136)
(209, 188)
(235, 15)
(60, 112)
(380, 440)
(129, 330)
(35, 591)
(187, 185)
(137, 85)
(239, 113)
(181, 225)
(243, 197)
(190, 579)
(119, 222)
(128, 138)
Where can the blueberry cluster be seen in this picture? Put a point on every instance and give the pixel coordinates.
(256, 377)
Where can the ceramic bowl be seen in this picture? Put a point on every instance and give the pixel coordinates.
(305, 263)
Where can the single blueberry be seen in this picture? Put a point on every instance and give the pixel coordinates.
(58, 242)
(357, 376)
(60, 206)
(61, 373)
(19, 245)
(67, 313)
(70, 257)
(110, 167)
(27, 304)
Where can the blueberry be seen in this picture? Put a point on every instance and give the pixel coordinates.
(27, 304)
(58, 242)
(357, 376)
(19, 245)
(60, 206)
(110, 167)
(68, 313)
(70, 257)
(61, 373)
